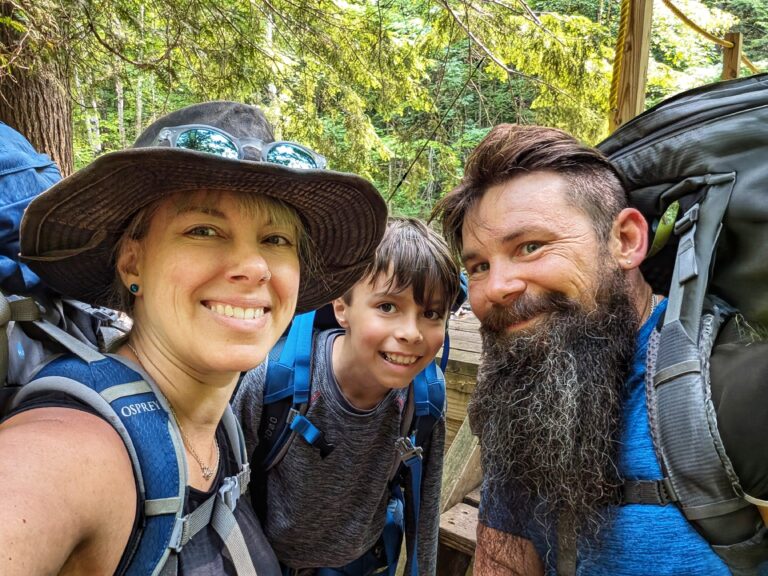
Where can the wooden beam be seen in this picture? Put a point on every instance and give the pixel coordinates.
(461, 470)
(732, 56)
(634, 64)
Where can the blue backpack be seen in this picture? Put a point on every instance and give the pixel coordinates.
(286, 401)
(49, 344)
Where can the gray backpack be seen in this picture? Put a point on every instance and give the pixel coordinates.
(697, 166)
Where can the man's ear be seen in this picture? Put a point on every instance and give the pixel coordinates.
(129, 262)
(629, 238)
(340, 311)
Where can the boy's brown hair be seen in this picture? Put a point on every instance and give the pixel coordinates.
(413, 255)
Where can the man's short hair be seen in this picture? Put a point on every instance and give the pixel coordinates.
(413, 255)
(509, 150)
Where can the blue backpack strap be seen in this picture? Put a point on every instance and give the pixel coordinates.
(140, 415)
(427, 397)
(289, 378)
(289, 375)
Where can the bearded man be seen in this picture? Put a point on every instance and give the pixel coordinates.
(552, 250)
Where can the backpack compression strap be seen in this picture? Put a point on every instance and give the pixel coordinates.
(25, 310)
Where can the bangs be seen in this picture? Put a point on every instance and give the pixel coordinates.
(279, 213)
(412, 256)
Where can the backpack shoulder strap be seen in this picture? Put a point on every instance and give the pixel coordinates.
(286, 395)
(699, 475)
(139, 414)
(424, 408)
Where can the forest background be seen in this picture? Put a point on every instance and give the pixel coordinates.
(398, 91)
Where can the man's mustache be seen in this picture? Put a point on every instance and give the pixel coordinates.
(525, 307)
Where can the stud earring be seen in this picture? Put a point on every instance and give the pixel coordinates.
(629, 262)
(134, 288)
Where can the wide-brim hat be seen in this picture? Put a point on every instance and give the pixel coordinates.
(70, 232)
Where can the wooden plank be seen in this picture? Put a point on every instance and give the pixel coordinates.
(458, 528)
(634, 64)
(462, 362)
(461, 468)
(473, 498)
(732, 56)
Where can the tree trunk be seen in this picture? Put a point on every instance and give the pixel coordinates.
(34, 96)
(119, 92)
(37, 105)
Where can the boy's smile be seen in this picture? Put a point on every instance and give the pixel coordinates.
(390, 338)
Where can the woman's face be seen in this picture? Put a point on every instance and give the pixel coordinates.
(218, 277)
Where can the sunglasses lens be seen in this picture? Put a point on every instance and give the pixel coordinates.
(291, 155)
(205, 140)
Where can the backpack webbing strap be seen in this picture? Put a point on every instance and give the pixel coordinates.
(648, 492)
(22, 310)
(566, 546)
(411, 457)
(218, 511)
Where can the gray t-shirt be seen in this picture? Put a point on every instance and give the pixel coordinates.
(329, 512)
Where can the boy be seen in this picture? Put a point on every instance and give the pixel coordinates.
(328, 512)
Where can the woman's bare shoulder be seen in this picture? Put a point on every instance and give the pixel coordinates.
(68, 490)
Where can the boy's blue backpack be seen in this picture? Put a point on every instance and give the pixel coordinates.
(37, 326)
(286, 401)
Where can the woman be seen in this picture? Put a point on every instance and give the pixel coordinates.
(210, 246)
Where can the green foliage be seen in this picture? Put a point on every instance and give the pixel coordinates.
(399, 91)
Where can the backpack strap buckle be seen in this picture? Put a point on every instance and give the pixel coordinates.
(230, 492)
(407, 450)
(179, 536)
(687, 221)
(311, 433)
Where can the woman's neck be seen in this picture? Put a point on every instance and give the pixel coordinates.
(198, 399)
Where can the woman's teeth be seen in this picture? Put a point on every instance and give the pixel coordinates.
(236, 311)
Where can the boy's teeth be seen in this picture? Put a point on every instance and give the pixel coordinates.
(237, 312)
(400, 359)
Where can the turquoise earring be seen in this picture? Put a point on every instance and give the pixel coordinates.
(134, 288)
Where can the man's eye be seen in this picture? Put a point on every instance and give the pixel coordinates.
(387, 307)
(203, 231)
(530, 247)
(478, 268)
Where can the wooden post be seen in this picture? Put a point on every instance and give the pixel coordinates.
(634, 64)
(732, 56)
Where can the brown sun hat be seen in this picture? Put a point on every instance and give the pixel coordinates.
(69, 233)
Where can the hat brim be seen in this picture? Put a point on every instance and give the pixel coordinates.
(69, 233)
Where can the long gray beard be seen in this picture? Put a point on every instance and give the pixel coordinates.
(547, 407)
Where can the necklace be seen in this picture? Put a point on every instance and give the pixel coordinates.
(206, 471)
(653, 302)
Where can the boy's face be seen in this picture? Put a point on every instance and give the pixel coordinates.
(390, 338)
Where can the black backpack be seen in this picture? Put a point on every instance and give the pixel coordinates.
(696, 165)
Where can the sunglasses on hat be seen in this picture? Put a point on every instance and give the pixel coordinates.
(201, 138)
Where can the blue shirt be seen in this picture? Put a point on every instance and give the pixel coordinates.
(643, 539)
